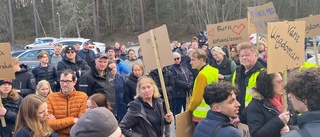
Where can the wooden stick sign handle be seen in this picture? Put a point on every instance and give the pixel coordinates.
(164, 91)
(3, 121)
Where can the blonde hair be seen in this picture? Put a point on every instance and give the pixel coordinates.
(27, 117)
(199, 54)
(147, 79)
(138, 63)
(41, 84)
(248, 45)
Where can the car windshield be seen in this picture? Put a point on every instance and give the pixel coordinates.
(16, 53)
(43, 41)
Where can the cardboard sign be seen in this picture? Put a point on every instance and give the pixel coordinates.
(244, 129)
(285, 45)
(231, 32)
(162, 44)
(184, 124)
(312, 27)
(6, 70)
(261, 15)
(251, 27)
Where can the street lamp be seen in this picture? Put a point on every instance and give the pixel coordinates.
(59, 23)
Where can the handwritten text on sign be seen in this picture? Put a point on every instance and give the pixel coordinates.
(6, 62)
(285, 45)
(231, 32)
(312, 27)
(261, 15)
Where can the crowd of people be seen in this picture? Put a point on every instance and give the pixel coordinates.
(78, 93)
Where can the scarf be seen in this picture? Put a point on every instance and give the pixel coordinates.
(277, 102)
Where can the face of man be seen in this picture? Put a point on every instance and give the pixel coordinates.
(67, 84)
(111, 54)
(183, 46)
(57, 50)
(229, 107)
(196, 63)
(44, 59)
(71, 55)
(248, 58)
(297, 104)
(131, 55)
(101, 63)
(85, 47)
(194, 45)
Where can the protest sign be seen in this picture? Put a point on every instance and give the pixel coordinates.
(261, 15)
(312, 27)
(6, 62)
(231, 32)
(163, 48)
(251, 27)
(156, 50)
(244, 129)
(184, 124)
(285, 45)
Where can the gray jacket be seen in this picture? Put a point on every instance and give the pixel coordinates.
(309, 121)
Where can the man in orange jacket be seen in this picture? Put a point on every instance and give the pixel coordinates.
(66, 106)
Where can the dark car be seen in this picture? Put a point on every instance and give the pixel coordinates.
(29, 56)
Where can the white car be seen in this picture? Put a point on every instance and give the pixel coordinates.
(95, 46)
(40, 43)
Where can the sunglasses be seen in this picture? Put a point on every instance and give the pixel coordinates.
(176, 58)
(70, 52)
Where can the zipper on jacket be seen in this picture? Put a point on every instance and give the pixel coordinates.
(271, 109)
(67, 104)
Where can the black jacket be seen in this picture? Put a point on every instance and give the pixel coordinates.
(80, 66)
(194, 72)
(183, 80)
(242, 80)
(130, 88)
(168, 81)
(48, 73)
(25, 81)
(12, 107)
(91, 83)
(310, 121)
(263, 117)
(136, 119)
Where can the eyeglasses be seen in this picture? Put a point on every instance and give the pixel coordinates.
(65, 81)
(176, 58)
(70, 52)
(279, 81)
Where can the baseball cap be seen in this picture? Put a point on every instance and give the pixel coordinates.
(70, 48)
(102, 55)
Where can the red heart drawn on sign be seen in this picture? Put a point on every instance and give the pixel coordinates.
(211, 32)
(237, 29)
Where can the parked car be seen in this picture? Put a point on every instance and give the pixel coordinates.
(310, 41)
(95, 46)
(29, 56)
(40, 42)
